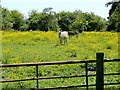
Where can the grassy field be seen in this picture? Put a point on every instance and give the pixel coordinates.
(38, 46)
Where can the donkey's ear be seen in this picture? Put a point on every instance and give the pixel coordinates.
(59, 30)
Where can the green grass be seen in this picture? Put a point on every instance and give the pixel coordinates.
(32, 47)
(38, 46)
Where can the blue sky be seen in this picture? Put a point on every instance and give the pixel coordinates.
(25, 6)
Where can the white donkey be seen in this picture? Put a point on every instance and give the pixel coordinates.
(63, 37)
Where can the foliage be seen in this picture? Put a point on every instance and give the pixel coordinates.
(12, 20)
(49, 20)
(88, 22)
(7, 22)
(18, 19)
(43, 21)
(114, 16)
(65, 19)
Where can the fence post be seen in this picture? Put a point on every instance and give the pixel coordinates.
(86, 66)
(37, 76)
(99, 71)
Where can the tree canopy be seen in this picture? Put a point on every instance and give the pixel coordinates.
(114, 16)
(67, 21)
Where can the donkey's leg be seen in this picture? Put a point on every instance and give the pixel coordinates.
(77, 35)
(60, 41)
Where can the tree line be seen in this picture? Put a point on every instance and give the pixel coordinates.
(49, 20)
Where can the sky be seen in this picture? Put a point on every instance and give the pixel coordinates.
(25, 6)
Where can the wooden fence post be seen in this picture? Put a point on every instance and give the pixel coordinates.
(86, 66)
(99, 71)
(37, 77)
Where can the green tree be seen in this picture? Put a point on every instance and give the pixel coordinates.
(24, 26)
(51, 20)
(18, 19)
(114, 16)
(115, 4)
(44, 21)
(80, 22)
(95, 23)
(7, 20)
(33, 19)
(87, 22)
(65, 19)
